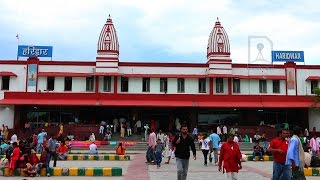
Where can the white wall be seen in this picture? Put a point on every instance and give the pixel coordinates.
(303, 86)
(162, 70)
(155, 86)
(79, 84)
(66, 68)
(191, 86)
(267, 71)
(16, 83)
(251, 87)
(59, 84)
(42, 83)
(314, 119)
(7, 116)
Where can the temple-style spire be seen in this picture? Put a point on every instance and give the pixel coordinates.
(218, 42)
(108, 49)
(108, 40)
(218, 51)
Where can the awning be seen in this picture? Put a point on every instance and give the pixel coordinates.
(311, 78)
(166, 75)
(214, 104)
(62, 102)
(287, 104)
(226, 104)
(149, 103)
(64, 74)
(7, 73)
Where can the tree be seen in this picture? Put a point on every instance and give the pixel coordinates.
(316, 99)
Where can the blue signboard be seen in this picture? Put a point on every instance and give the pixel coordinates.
(287, 56)
(34, 51)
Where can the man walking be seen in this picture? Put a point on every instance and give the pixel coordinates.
(52, 147)
(183, 142)
(230, 156)
(278, 148)
(41, 136)
(214, 146)
(295, 155)
(151, 144)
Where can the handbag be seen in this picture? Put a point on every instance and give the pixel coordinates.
(298, 175)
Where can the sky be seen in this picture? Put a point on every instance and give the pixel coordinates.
(161, 31)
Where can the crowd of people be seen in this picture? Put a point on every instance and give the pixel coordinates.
(22, 153)
(292, 151)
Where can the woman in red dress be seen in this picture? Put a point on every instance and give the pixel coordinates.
(230, 157)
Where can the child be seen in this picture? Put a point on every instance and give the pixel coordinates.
(158, 149)
(172, 148)
(14, 158)
(204, 142)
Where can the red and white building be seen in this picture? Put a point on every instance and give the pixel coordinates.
(215, 91)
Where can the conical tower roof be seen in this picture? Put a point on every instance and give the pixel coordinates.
(108, 39)
(218, 43)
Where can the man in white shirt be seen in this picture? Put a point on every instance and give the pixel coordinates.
(195, 133)
(225, 132)
(138, 125)
(236, 139)
(219, 130)
(92, 137)
(115, 124)
(14, 138)
(93, 149)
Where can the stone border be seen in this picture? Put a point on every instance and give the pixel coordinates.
(312, 171)
(89, 157)
(72, 171)
(265, 158)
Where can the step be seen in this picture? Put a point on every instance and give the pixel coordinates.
(142, 146)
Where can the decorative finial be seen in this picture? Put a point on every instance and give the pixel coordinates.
(109, 19)
(217, 18)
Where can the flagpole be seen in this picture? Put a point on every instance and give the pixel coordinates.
(17, 36)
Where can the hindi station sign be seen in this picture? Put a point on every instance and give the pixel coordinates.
(34, 51)
(287, 56)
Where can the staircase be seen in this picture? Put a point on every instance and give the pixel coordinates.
(143, 146)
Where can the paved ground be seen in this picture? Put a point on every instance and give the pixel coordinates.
(137, 169)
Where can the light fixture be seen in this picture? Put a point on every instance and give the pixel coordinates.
(260, 110)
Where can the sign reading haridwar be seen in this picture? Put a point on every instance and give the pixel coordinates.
(287, 56)
(34, 51)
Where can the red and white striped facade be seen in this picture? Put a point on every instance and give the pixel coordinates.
(294, 91)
